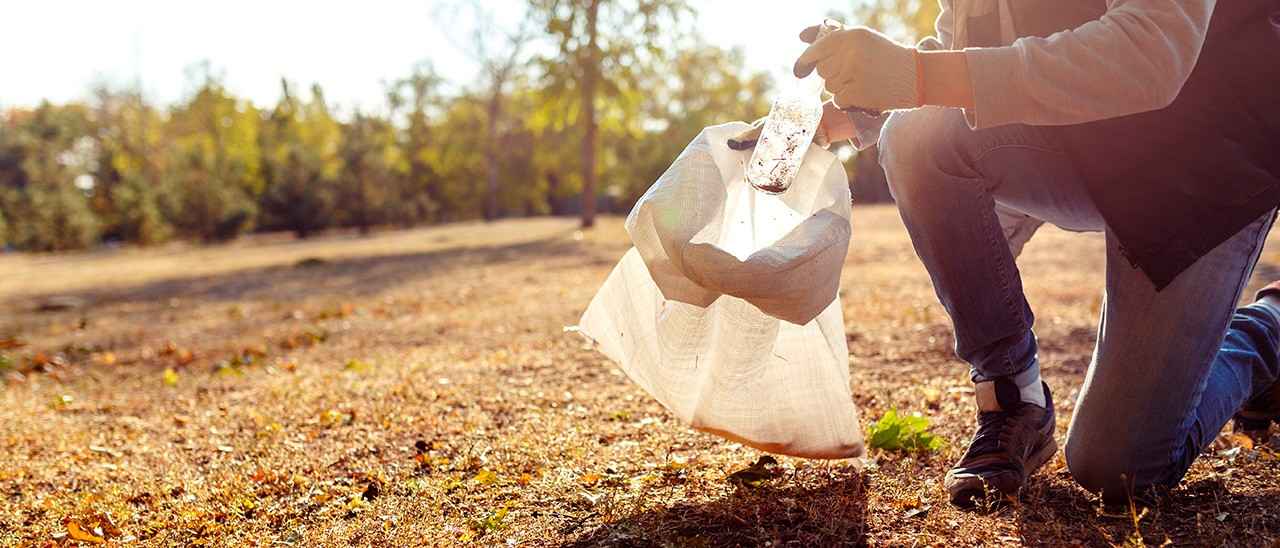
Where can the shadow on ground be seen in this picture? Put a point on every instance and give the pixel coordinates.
(1202, 512)
(831, 514)
(357, 276)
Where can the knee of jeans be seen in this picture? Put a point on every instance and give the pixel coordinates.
(1098, 469)
(916, 146)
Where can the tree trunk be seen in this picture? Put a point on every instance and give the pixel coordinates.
(491, 154)
(590, 73)
(553, 193)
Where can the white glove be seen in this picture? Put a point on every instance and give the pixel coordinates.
(864, 70)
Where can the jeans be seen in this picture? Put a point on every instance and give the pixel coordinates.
(1170, 367)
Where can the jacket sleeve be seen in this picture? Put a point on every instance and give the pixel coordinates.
(1134, 59)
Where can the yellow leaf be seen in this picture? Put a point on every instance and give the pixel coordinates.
(1242, 441)
(932, 396)
(486, 477)
(356, 503)
(590, 479)
(80, 534)
(170, 377)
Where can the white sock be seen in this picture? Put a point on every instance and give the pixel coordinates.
(1029, 387)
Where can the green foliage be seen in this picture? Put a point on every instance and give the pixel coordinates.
(129, 141)
(216, 160)
(47, 149)
(138, 213)
(908, 20)
(214, 166)
(373, 167)
(605, 48)
(58, 218)
(420, 197)
(907, 433)
(300, 147)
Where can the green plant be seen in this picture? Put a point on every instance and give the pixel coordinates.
(907, 433)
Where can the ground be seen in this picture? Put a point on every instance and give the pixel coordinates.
(419, 388)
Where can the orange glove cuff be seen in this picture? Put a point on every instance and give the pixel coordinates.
(915, 54)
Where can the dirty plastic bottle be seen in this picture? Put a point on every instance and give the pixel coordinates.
(786, 136)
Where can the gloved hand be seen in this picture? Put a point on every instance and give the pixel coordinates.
(835, 125)
(865, 70)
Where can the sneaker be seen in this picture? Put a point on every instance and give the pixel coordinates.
(1255, 418)
(1014, 439)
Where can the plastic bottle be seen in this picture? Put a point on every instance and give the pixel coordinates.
(786, 136)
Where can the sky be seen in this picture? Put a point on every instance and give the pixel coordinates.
(58, 49)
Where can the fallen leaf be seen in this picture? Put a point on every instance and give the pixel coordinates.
(918, 512)
(77, 532)
(486, 477)
(765, 468)
(104, 450)
(932, 396)
(1242, 441)
(170, 377)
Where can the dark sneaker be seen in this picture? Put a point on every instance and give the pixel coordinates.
(1014, 439)
(1255, 418)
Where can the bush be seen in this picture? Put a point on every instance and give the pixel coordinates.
(297, 197)
(57, 218)
(212, 211)
(140, 219)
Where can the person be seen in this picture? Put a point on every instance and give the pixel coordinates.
(1153, 121)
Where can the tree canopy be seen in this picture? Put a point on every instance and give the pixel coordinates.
(580, 107)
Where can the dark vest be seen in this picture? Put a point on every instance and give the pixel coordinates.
(1175, 183)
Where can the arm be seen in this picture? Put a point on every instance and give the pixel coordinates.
(1134, 59)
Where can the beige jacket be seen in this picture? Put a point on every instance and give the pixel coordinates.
(1134, 59)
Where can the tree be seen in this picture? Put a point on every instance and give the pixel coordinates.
(499, 54)
(697, 87)
(907, 20)
(216, 162)
(420, 196)
(46, 194)
(372, 165)
(128, 182)
(300, 144)
(602, 45)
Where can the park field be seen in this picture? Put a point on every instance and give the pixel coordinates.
(418, 388)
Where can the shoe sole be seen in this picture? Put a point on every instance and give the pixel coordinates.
(1253, 424)
(968, 494)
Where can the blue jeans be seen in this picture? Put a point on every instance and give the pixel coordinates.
(1170, 367)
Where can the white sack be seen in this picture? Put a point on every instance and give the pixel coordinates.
(726, 310)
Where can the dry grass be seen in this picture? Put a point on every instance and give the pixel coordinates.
(416, 388)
